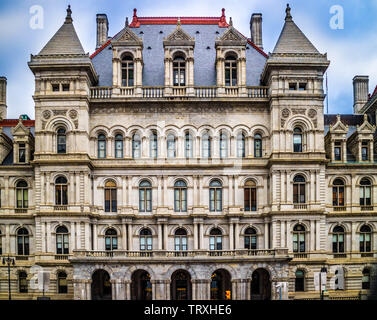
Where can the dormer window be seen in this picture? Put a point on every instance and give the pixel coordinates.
(338, 151)
(179, 70)
(22, 153)
(127, 71)
(364, 151)
(230, 71)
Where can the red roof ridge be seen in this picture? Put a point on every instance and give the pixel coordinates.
(254, 45)
(14, 122)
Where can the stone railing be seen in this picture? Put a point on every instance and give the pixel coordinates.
(162, 92)
(179, 254)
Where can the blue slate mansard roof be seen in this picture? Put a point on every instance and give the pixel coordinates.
(204, 30)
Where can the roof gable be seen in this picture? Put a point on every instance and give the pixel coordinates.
(366, 127)
(65, 40)
(126, 36)
(292, 39)
(339, 126)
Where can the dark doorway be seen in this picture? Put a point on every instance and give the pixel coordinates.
(260, 285)
(180, 285)
(221, 286)
(101, 286)
(141, 286)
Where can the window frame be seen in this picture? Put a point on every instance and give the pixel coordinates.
(23, 192)
(298, 133)
(180, 202)
(111, 239)
(299, 189)
(299, 239)
(118, 146)
(61, 191)
(110, 193)
(101, 146)
(215, 196)
(230, 71)
(145, 189)
(61, 147)
(127, 71)
(179, 70)
(145, 240)
(62, 240)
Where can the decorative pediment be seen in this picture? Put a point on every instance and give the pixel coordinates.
(126, 37)
(179, 37)
(339, 126)
(366, 127)
(231, 37)
(20, 130)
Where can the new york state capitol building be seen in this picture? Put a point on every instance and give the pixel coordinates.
(180, 161)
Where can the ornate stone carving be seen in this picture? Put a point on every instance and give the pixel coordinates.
(282, 123)
(312, 113)
(46, 114)
(44, 124)
(73, 114)
(59, 112)
(298, 111)
(285, 113)
(76, 122)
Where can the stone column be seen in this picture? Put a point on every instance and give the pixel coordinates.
(266, 235)
(234, 295)
(231, 236)
(49, 240)
(318, 235)
(159, 236)
(127, 284)
(236, 191)
(165, 240)
(95, 236)
(124, 236)
(230, 192)
(129, 233)
(201, 234)
(195, 236)
(237, 236)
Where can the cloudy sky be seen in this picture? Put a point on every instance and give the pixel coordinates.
(352, 50)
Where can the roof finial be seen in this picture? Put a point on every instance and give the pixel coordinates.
(126, 22)
(230, 22)
(178, 22)
(223, 12)
(135, 15)
(68, 18)
(288, 13)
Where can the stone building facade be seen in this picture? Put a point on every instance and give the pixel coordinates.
(180, 161)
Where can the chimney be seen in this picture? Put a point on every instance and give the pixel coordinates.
(102, 29)
(3, 97)
(360, 92)
(256, 30)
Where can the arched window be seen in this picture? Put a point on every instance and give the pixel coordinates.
(258, 146)
(206, 145)
(61, 191)
(136, 146)
(170, 145)
(230, 71)
(153, 145)
(188, 145)
(111, 239)
(215, 196)
(365, 281)
(22, 242)
(297, 139)
(127, 71)
(61, 141)
(110, 196)
(250, 196)
(62, 282)
(179, 70)
(250, 239)
(365, 192)
(145, 196)
(22, 194)
(101, 146)
(180, 196)
(299, 184)
(223, 145)
(22, 282)
(241, 145)
(300, 281)
(180, 240)
(118, 146)
(338, 193)
(145, 240)
(299, 238)
(215, 239)
(365, 239)
(62, 241)
(338, 240)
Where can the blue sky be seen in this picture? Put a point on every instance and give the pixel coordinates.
(352, 50)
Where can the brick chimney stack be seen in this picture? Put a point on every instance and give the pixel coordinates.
(102, 29)
(256, 29)
(360, 92)
(3, 97)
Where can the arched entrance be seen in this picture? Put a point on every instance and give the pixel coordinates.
(101, 286)
(141, 286)
(221, 286)
(260, 285)
(180, 285)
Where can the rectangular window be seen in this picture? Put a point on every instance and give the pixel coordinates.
(21, 153)
(302, 86)
(55, 88)
(65, 87)
(364, 153)
(337, 153)
(293, 86)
